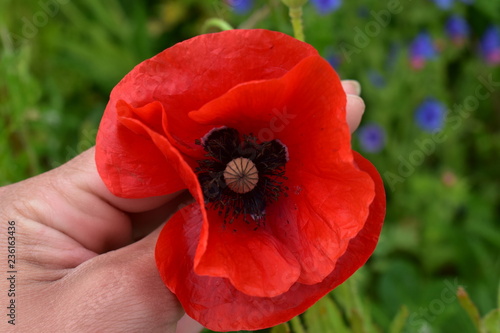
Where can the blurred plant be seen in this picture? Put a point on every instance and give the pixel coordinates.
(449, 179)
(371, 138)
(457, 29)
(20, 93)
(325, 7)
(241, 6)
(448, 4)
(376, 78)
(430, 115)
(335, 60)
(422, 49)
(444, 4)
(490, 45)
(342, 311)
(490, 323)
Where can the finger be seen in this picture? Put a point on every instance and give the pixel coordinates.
(355, 109)
(351, 87)
(119, 291)
(188, 325)
(90, 180)
(73, 200)
(145, 222)
(355, 105)
(146, 214)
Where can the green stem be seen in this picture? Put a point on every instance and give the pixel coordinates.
(216, 23)
(469, 306)
(298, 27)
(297, 325)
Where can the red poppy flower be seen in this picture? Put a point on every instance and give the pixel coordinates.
(253, 124)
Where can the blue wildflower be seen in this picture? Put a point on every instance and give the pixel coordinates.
(326, 6)
(457, 29)
(241, 6)
(430, 115)
(447, 4)
(421, 49)
(490, 45)
(444, 4)
(363, 12)
(334, 60)
(376, 78)
(371, 138)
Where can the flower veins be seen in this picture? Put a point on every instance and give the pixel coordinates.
(240, 176)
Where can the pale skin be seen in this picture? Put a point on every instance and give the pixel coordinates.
(79, 266)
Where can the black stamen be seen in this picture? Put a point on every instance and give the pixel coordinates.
(240, 177)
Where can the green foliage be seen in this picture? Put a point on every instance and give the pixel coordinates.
(442, 227)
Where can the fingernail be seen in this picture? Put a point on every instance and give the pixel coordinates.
(356, 86)
(352, 87)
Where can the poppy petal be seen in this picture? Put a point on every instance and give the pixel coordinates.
(321, 217)
(183, 78)
(317, 223)
(269, 108)
(217, 305)
(255, 262)
(166, 170)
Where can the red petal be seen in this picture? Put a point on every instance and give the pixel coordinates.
(285, 107)
(184, 78)
(216, 304)
(305, 109)
(242, 253)
(320, 216)
(158, 166)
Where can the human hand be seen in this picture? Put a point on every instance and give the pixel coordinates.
(84, 258)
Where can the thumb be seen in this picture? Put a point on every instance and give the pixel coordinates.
(74, 200)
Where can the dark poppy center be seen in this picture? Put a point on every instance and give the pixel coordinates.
(240, 175)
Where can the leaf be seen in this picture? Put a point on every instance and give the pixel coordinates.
(297, 325)
(498, 296)
(357, 321)
(399, 321)
(491, 322)
(332, 316)
(282, 328)
(325, 317)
